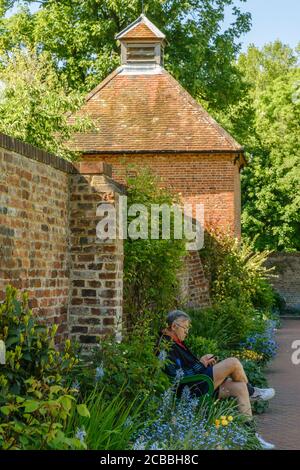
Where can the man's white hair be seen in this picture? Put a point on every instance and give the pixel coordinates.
(176, 315)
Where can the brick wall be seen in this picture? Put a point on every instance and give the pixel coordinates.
(97, 265)
(288, 281)
(47, 239)
(194, 285)
(34, 229)
(211, 179)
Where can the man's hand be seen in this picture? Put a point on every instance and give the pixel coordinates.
(208, 360)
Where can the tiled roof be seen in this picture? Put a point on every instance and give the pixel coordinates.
(148, 112)
(141, 31)
(141, 28)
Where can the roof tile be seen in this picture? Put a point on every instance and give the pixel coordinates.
(148, 112)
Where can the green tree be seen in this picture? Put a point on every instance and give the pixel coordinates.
(34, 102)
(266, 121)
(271, 215)
(79, 35)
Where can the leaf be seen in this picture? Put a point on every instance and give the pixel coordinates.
(55, 389)
(83, 411)
(20, 400)
(5, 410)
(31, 406)
(27, 356)
(66, 403)
(11, 340)
(17, 305)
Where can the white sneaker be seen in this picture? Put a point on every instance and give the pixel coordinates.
(263, 394)
(264, 444)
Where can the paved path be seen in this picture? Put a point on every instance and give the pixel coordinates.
(280, 424)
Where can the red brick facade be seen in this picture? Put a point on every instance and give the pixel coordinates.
(34, 234)
(210, 179)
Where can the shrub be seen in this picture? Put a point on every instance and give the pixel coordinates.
(235, 271)
(130, 365)
(34, 401)
(201, 346)
(37, 420)
(263, 343)
(227, 322)
(151, 266)
(30, 347)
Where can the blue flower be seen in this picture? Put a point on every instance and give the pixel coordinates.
(179, 375)
(80, 434)
(162, 355)
(76, 385)
(128, 422)
(99, 373)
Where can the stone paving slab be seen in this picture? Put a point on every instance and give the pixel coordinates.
(280, 424)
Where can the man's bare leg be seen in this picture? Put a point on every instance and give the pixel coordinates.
(238, 390)
(230, 367)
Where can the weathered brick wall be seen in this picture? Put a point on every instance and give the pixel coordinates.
(97, 265)
(47, 240)
(34, 230)
(288, 281)
(194, 285)
(210, 179)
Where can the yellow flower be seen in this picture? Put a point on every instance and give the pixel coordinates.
(224, 422)
(217, 422)
(223, 417)
(230, 418)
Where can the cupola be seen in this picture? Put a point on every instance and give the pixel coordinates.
(142, 43)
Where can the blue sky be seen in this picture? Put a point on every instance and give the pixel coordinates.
(271, 20)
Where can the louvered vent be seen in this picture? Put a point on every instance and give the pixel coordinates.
(140, 53)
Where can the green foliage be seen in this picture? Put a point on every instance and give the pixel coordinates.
(35, 102)
(242, 298)
(37, 419)
(195, 424)
(111, 423)
(266, 120)
(236, 272)
(130, 365)
(30, 347)
(151, 265)
(80, 37)
(202, 345)
(227, 322)
(271, 210)
(34, 399)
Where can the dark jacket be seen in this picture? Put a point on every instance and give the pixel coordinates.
(179, 358)
(184, 360)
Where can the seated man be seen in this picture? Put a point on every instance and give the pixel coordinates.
(228, 377)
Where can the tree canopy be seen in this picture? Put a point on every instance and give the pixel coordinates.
(270, 126)
(80, 37)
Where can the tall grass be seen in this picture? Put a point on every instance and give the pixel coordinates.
(111, 424)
